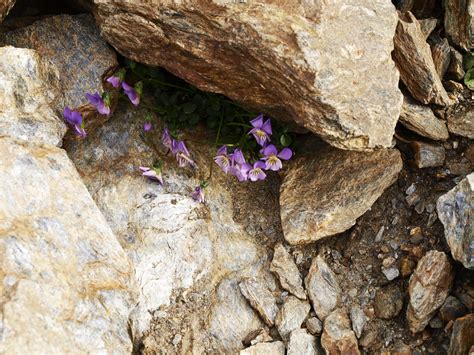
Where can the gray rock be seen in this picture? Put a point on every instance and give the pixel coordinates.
(388, 302)
(441, 53)
(29, 90)
(260, 298)
(262, 337)
(456, 212)
(414, 61)
(420, 119)
(338, 337)
(284, 267)
(427, 26)
(302, 343)
(66, 281)
(314, 325)
(428, 288)
(461, 122)
(428, 155)
(74, 45)
(291, 315)
(391, 273)
(459, 22)
(275, 348)
(358, 320)
(323, 288)
(338, 186)
(452, 309)
(277, 45)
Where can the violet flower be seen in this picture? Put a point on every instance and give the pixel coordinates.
(74, 118)
(223, 159)
(131, 93)
(114, 80)
(178, 148)
(147, 126)
(238, 161)
(97, 101)
(261, 130)
(255, 172)
(198, 194)
(166, 139)
(153, 174)
(273, 159)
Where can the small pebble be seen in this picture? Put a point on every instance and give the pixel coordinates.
(391, 273)
(177, 339)
(379, 235)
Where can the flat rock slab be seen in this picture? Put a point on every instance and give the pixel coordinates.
(260, 298)
(304, 62)
(303, 343)
(456, 212)
(29, 90)
(291, 315)
(337, 188)
(74, 45)
(462, 338)
(284, 267)
(65, 278)
(459, 22)
(338, 337)
(428, 288)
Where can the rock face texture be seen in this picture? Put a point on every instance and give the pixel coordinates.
(415, 62)
(456, 212)
(284, 267)
(420, 119)
(73, 44)
(302, 343)
(177, 246)
(275, 348)
(308, 62)
(29, 90)
(65, 278)
(462, 123)
(428, 288)
(292, 314)
(261, 299)
(462, 338)
(5, 7)
(338, 186)
(459, 22)
(338, 337)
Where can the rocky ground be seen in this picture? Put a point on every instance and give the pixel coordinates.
(342, 252)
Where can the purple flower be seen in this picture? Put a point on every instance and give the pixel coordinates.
(147, 126)
(114, 80)
(238, 157)
(254, 172)
(74, 118)
(153, 174)
(273, 159)
(238, 161)
(166, 139)
(178, 148)
(262, 130)
(131, 93)
(198, 194)
(223, 159)
(97, 101)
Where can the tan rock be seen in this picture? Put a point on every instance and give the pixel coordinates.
(29, 90)
(459, 22)
(314, 325)
(291, 315)
(427, 25)
(428, 155)
(456, 68)
(5, 7)
(461, 122)
(338, 337)
(323, 288)
(303, 343)
(65, 278)
(414, 61)
(428, 288)
(441, 53)
(420, 119)
(284, 267)
(305, 62)
(462, 337)
(260, 298)
(275, 348)
(338, 186)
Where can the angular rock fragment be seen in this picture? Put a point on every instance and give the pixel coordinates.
(456, 212)
(456, 69)
(29, 90)
(420, 119)
(462, 337)
(74, 45)
(388, 302)
(314, 325)
(459, 22)
(66, 281)
(462, 122)
(261, 337)
(291, 315)
(323, 288)
(428, 155)
(303, 343)
(427, 26)
(275, 348)
(338, 337)
(441, 53)
(284, 267)
(306, 62)
(452, 309)
(428, 288)
(260, 298)
(414, 61)
(453, 86)
(338, 186)
(358, 320)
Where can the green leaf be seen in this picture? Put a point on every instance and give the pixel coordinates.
(469, 61)
(285, 140)
(469, 79)
(189, 108)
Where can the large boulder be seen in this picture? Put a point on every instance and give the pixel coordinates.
(65, 278)
(338, 187)
(29, 91)
(456, 212)
(326, 66)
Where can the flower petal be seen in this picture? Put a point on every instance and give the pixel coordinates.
(238, 156)
(114, 80)
(222, 150)
(144, 168)
(270, 150)
(267, 127)
(285, 154)
(258, 121)
(259, 164)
